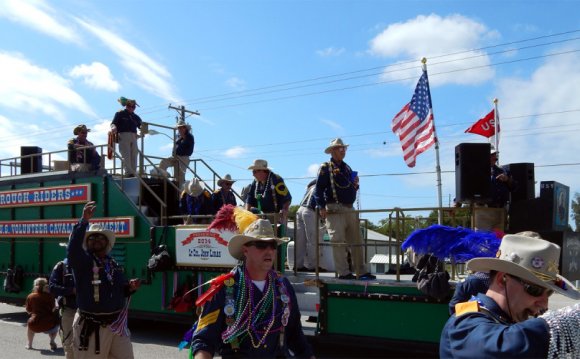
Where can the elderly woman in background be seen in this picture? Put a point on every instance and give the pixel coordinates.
(40, 305)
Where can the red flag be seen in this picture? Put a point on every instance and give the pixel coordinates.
(414, 123)
(484, 126)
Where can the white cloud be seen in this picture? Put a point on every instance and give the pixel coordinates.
(236, 83)
(38, 15)
(30, 88)
(335, 126)
(330, 51)
(150, 75)
(96, 75)
(551, 139)
(236, 152)
(312, 170)
(434, 35)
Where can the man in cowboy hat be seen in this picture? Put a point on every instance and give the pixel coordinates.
(100, 324)
(182, 150)
(124, 126)
(224, 195)
(82, 155)
(336, 187)
(507, 320)
(268, 193)
(195, 200)
(255, 311)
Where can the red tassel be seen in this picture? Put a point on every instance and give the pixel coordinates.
(215, 285)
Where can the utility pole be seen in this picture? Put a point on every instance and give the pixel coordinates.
(182, 111)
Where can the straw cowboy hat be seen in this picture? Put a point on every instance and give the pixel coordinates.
(534, 260)
(259, 230)
(98, 228)
(337, 142)
(227, 179)
(194, 188)
(259, 165)
(182, 123)
(126, 101)
(80, 128)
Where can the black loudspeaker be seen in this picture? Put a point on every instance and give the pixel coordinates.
(557, 197)
(569, 243)
(523, 174)
(472, 172)
(30, 164)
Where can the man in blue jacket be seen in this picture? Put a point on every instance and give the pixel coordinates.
(255, 311)
(100, 324)
(509, 320)
(182, 150)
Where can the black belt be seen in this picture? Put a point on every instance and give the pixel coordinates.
(90, 324)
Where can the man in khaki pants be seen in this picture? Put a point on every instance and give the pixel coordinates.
(124, 126)
(336, 187)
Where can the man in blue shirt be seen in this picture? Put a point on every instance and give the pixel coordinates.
(336, 187)
(182, 150)
(124, 126)
(100, 324)
(268, 193)
(252, 311)
(507, 320)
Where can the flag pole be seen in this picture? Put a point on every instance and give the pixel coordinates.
(437, 165)
(496, 125)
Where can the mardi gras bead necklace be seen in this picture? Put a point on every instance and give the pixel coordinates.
(333, 171)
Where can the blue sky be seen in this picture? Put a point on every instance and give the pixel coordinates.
(279, 79)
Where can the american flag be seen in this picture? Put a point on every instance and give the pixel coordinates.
(414, 123)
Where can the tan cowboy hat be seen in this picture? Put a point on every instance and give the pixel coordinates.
(227, 179)
(259, 165)
(194, 188)
(534, 260)
(259, 230)
(98, 228)
(181, 123)
(80, 128)
(337, 142)
(131, 102)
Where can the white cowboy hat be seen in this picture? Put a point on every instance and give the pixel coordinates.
(492, 150)
(534, 260)
(98, 228)
(259, 165)
(259, 230)
(337, 142)
(227, 178)
(181, 123)
(195, 188)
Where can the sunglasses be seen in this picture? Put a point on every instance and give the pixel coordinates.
(264, 244)
(532, 289)
(96, 237)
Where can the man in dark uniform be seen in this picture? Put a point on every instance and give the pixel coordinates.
(82, 155)
(182, 150)
(124, 126)
(336, 187)
(224, 195)
(62, 286)
(195, 200)
(501, 184)
(498, 324)
(100, 324)
(254, 311)
(268, 193)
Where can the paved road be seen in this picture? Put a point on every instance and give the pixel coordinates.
(150, 339)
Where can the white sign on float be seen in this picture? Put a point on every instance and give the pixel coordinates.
(196, 246)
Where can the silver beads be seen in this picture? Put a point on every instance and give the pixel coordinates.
(564, 326)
